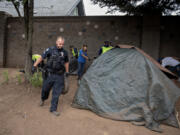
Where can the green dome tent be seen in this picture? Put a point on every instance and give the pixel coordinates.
(127, 84)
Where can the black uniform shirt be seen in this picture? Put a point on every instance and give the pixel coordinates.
(48, 52)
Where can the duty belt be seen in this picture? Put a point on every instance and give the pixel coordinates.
(61, 72)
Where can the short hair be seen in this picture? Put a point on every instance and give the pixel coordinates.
(106, 42)
(71, 46)
(60, 37)
(84, 45)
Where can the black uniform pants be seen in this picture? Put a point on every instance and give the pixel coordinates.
(56, 82)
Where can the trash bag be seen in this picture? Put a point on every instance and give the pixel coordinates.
(123, 84)
(65, 89)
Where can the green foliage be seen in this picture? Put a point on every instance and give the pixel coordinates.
(5, 77)
(36, 79)
(141, 7)
(19, 79)
(17, 4)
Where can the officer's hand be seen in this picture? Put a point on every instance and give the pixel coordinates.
(89, 59)
(33, 69)
(67, 74)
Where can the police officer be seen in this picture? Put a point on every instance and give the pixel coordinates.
(106, 47)
(57, 65)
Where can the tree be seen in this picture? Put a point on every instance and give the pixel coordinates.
(16, 5)
(28, 6)
(28, 19)
(140, 7)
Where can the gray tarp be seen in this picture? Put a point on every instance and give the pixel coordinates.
(123, 84)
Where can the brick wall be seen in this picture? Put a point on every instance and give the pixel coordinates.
(156, 36)
(77, 31)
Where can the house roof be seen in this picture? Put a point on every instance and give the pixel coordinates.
(45, 7)
(55, 7)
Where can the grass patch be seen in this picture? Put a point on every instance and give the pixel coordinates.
(5, 77)
(36, 79)
(19, 78)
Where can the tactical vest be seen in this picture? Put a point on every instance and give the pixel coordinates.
(55, 62)
(105, 49)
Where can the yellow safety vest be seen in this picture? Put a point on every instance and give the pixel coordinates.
(105, 49)
(35, 57)
(74, 54)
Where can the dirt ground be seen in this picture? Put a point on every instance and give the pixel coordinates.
(21, 115)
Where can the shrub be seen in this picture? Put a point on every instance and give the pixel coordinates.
(6, 76)
(19, 79)
(36, 79)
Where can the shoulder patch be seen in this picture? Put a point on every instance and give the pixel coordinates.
(47, 49)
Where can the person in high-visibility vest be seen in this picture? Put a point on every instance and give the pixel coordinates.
(106, 47)
(74, 51)
(35, 57)
(73, 63)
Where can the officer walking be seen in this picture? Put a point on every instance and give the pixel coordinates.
(57, 65)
